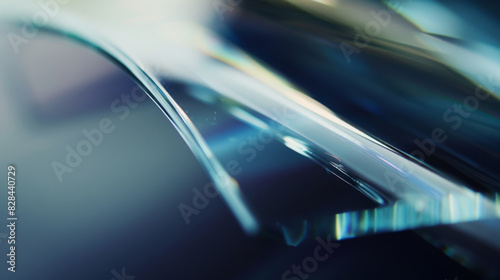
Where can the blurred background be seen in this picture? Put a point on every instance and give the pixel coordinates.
(238, 139)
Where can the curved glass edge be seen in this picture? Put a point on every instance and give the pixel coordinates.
(75, 29)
